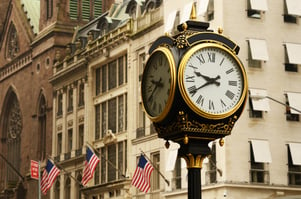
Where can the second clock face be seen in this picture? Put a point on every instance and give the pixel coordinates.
(158, 84)
(212, 80)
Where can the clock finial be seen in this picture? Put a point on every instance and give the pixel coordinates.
(193, 12)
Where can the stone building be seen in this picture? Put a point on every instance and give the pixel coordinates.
(32, 33)
(261, 158)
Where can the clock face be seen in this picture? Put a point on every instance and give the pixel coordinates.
(212, 81)
(158, 84)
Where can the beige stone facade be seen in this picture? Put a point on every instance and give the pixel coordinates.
(112, 120)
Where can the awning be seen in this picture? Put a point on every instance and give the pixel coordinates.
(293, 7)
(185, 15)
(293, 53)
(294, 100)
(169, 23)
(295, 149)
(171, 160)
(261, 151)
(259, 100)
(258, 49)
(202, 7)
(259, 5)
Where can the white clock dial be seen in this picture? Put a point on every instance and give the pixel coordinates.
(212, 80)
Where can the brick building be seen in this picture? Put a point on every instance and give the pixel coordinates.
(33, 34)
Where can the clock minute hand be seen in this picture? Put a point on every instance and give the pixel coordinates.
(157, 84)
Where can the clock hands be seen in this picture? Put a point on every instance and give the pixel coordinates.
(209, 81)
(157, 84)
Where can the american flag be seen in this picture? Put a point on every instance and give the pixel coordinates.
(90, 165)
(49, 174)
(142, 174)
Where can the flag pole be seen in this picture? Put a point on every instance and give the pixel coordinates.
(114, 166)
(167, 181)
(39, 187)
(68, 173)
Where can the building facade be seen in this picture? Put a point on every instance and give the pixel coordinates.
(259, 160)
(32, 35)
(90, 95)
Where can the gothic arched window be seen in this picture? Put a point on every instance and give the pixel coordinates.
(12, 43)
(11, 139)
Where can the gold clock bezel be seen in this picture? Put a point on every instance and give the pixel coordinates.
(186, 97)
(172, 67)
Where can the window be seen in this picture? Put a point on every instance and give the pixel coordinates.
(97, 121)
(256, 8)
(73, 9)
(42, 128)
(57, 188)
(59, 144)
(113, 162)
(86, 10)
(80, 136)
(70, 100)
(140, 131)
(155, 178)
(81, 94)
(11, 141)
(111, 75)
(111, 115)
(258, 102)
(292, 58)
(292, 10)
(111, 151)
(257, 52)
(212, 169)
(177, 177)
(141, 65)
(294, 163)
(97, 8)
(97, 81)
(59, 104)
(292, 100)
(12, 43)
(67, 187)
(260, 156)
(69, 140)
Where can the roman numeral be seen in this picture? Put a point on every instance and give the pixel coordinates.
(201, 59)
(190, 78)
(229, 71)
(223, 103)
(191, 66)
(211, 57)
(232, 83)
(222, 61)
(200, 100)
(229, 94)
(192, 90)
(211, 105)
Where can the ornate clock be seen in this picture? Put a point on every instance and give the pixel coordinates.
(212, 81)
(158, 84)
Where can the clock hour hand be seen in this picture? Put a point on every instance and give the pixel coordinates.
(203, 76)
(157, 84)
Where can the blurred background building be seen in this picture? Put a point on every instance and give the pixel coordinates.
(96, 53)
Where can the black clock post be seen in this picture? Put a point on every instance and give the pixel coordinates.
(191, 115)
